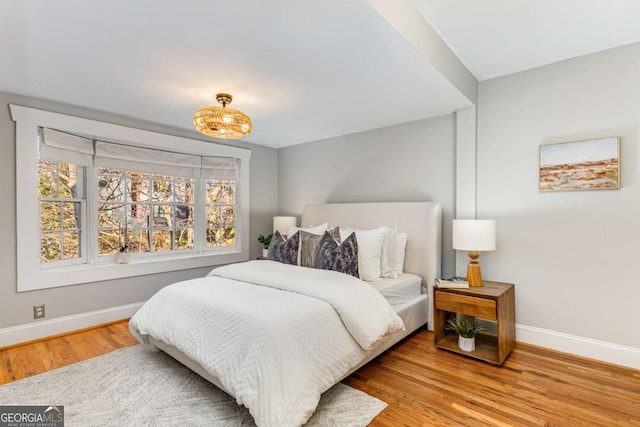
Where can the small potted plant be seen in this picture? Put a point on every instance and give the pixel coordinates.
(467, 329)
(266, 241)
(123, 256)
(133, 226)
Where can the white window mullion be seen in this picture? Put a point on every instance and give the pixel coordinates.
(92, 216)
(84, 233)
(238, 223)
(243, 206)
(200, 217)
(83, 229)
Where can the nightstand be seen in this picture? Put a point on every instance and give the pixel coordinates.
(494, 301)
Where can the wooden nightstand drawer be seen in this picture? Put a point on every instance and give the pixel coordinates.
(471, 306)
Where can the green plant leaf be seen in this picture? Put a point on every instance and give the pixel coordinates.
(464, 327)
(265, 240)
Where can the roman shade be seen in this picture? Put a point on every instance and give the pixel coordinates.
(118, 156)
(57, 146)
(219, 167)
(64, 147)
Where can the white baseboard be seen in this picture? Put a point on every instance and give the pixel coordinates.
(585, 347)
(566, 343)
(46, 328)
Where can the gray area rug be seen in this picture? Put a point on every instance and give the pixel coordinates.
(135, 386)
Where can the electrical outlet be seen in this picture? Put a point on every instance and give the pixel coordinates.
(38, 311)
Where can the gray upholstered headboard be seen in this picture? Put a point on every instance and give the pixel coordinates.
(422, 221)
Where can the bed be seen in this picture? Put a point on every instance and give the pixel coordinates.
(319, 338)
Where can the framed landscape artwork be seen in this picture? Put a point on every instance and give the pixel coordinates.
(582, 165)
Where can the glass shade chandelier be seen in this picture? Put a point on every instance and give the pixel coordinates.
(222, 122)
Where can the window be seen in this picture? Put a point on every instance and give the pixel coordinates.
(221, 212)
(82, 199)
(62, 212)
(142, 201)
(144, 213)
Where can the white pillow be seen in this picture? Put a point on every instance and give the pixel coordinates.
(387, 265)
(319, 229)
(369, 250)
(401, 246)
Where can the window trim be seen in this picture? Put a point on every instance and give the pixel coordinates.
(30, 276)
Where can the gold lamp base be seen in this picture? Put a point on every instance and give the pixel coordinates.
(474, 274)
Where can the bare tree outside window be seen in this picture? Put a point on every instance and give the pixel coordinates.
(221, 212)
(137, 212)
(144, 212)
(60, 193)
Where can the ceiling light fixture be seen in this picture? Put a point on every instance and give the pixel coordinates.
(222, 122)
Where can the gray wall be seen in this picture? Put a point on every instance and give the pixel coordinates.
(573, 254)
(403, 163)
(16, 308)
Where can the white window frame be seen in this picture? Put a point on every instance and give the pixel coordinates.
(30, 274)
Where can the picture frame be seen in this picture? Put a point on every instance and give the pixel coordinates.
(592, 164)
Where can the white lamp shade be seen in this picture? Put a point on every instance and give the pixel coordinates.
(284, 223)
(474, 234)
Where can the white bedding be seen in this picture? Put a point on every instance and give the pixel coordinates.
(275, 335)
(398, 291)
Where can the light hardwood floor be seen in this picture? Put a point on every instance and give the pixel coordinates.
(425, 386)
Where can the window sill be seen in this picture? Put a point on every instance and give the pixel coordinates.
(80, 274)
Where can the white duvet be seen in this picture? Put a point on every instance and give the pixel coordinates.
(275, 335)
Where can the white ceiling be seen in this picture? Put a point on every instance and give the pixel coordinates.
(302, 70)
(498, 37)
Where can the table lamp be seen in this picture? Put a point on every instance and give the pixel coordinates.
(283, 224)
(474, 235)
